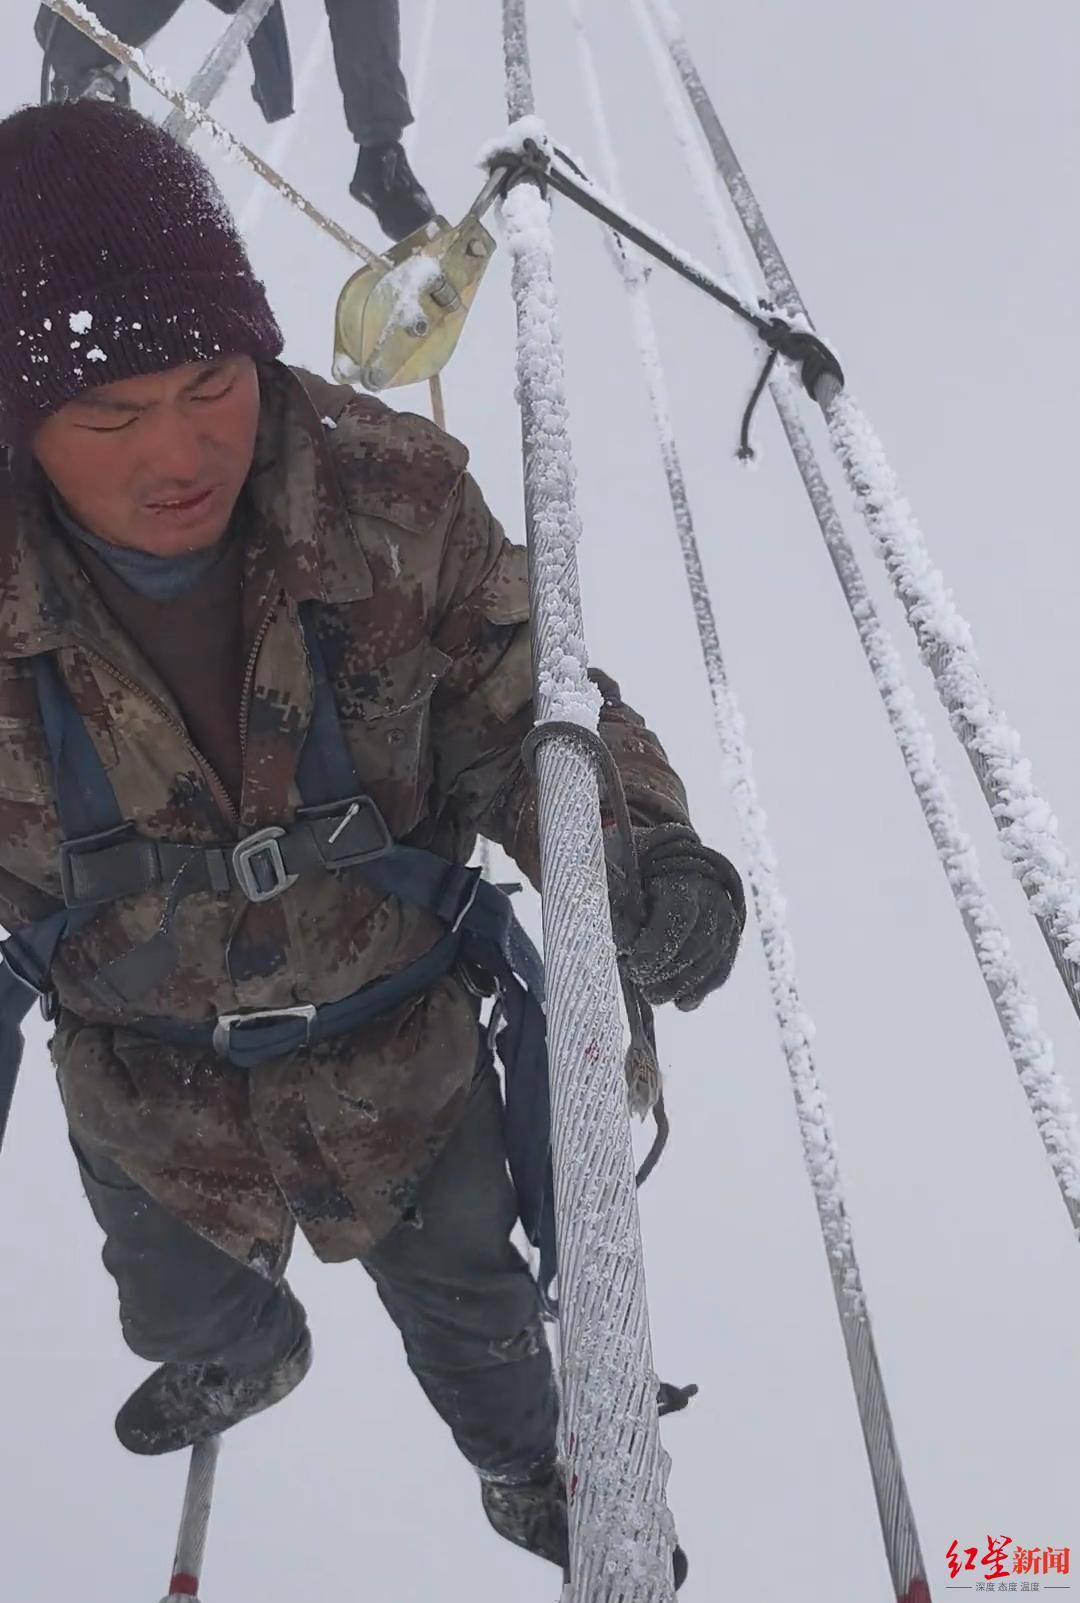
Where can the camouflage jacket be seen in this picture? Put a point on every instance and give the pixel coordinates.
(422, 609)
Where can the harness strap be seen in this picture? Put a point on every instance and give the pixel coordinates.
(117, 863)
(491, 939)
(84, 797)
(249, 1040)
(102, 859)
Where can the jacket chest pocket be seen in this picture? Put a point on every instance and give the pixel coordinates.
(386, 720)
(24, 765)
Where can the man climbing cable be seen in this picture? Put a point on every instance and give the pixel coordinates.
(264, 678)
(367, 54)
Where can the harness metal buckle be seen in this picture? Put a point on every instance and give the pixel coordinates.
(259, 856)
(227, 1022)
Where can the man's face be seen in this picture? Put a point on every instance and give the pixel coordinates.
(156, 463)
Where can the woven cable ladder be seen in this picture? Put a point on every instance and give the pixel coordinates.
(621, 1534)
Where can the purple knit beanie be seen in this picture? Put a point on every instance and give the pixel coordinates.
(117, 258)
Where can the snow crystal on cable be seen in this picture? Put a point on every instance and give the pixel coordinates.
(565, 690)
(514, 139)
(1028, 829)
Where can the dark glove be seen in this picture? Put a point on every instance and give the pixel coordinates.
(694, 913)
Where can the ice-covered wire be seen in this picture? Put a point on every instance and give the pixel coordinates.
(759, 859)
(215, 69)
(1027, 827)
(1014, 1003)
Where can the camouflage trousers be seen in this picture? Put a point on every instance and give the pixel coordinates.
(457, 1290)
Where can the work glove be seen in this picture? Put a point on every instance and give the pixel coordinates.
(679, 942)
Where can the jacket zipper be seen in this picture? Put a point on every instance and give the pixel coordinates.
(249, 672)
(223, 797)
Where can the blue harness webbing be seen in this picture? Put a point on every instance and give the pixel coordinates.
(482, 933)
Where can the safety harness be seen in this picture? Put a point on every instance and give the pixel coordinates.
(103, 859)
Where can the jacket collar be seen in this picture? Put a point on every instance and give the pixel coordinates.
(301, 528)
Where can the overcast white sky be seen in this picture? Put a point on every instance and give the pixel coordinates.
(918, 166)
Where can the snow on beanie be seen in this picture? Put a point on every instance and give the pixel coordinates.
(117, 258)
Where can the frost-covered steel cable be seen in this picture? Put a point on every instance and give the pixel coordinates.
(77, 14)
(795, 1027)
(210, 77)
(621, 1534)
(1031, 1050)
(191, 1542)
(1027, 827)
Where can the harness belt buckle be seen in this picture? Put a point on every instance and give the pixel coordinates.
(227, 1022)
(259, 866)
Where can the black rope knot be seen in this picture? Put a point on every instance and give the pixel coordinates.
(527, 164)
(806, 350)
(800, 346)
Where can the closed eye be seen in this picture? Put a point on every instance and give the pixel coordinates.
(217, 395)
(107, 428)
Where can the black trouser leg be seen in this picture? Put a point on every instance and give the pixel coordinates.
(73, 55)
(465, 1302)
(367, 55)
(181, 1298)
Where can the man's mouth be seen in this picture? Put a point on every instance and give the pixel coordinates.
(189, 503)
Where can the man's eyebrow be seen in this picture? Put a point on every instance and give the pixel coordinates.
(105, 403)
(211, 370)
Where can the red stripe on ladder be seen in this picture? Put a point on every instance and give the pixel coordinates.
(184, 1586)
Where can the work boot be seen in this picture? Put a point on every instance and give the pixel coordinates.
(385, 182)
(532, 1514)
(182, 1404)
(100, 83)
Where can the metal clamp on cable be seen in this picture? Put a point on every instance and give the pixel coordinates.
(527, 162)
(800, 346)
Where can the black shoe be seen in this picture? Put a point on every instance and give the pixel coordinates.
(182, 1404)
(532, 1514)
(385, 182)
(100, 83)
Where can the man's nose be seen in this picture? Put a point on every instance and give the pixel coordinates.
(174, 452)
